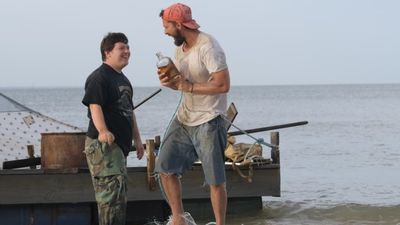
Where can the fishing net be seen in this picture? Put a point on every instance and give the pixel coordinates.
(21, 126)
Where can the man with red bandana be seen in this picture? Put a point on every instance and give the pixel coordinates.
(198, 129)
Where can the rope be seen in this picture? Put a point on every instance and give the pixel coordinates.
(257, 140)
(248, 151)
(157, 176)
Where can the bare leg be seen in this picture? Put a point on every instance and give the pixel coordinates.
(219, 202)
(173, 190)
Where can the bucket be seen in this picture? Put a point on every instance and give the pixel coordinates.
(63, 150)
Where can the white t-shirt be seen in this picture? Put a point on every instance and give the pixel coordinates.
(196, 65)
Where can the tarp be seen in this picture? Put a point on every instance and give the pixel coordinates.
(21, 126)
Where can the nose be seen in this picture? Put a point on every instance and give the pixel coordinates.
(166, 32)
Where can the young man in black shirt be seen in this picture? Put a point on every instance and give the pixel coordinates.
(112, 126)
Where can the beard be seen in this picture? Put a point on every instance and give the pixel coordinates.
(178, 38)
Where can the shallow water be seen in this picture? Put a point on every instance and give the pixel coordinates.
(341, 168)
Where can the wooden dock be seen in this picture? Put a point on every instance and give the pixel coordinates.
(34, 193)
(66, 196)
(41, 187)
(61, 192)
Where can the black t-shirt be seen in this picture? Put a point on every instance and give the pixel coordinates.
(113, 92)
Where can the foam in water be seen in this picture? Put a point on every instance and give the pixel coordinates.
(186, 216)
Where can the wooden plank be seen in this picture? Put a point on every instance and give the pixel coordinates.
(266, 182)
(31, 154)
(231, 114)
(74, 188)
(151, 181)
(31, 162)
(46, 188)
(275, 150)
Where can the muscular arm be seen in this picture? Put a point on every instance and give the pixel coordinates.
(219, 83)
(98, 119)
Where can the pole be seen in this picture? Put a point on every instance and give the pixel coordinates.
(255, 130)
(146, 99)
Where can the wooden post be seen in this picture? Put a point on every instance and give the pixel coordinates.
(151, 181)
(275, 150)
(31, 153)
(157, 141)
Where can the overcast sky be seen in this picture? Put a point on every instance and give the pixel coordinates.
(55, 43)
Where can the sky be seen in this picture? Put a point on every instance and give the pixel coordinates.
(47, 43)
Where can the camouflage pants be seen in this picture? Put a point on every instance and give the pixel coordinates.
(107, 165)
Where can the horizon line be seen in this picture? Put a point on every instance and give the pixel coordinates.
(244, 85)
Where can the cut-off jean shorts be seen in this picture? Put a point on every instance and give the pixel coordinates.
(183, 145)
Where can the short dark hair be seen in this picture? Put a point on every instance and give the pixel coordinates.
(108, 42)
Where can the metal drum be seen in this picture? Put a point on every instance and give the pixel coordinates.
(63, 150)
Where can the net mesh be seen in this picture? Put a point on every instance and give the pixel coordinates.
(21, 126)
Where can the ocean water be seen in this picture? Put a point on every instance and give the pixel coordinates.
(341, 168)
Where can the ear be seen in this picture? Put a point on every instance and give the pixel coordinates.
(107, 54)
(179, 26)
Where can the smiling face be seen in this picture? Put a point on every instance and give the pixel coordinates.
(118, 57)
(173, 29)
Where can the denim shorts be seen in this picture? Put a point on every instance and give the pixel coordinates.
(183, 145)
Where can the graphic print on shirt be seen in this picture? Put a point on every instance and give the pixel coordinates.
(124, 102)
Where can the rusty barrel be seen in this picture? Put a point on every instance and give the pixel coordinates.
(63, 150)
